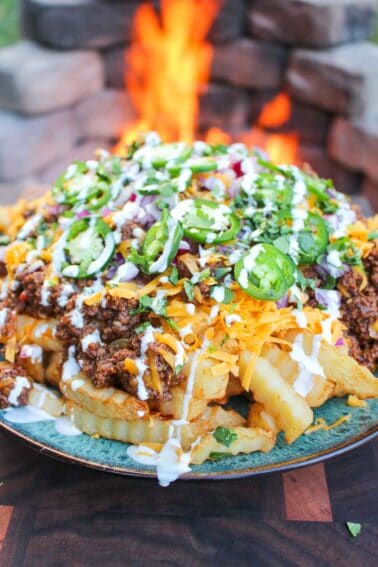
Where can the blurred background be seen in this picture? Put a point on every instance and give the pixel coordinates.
(298, 78)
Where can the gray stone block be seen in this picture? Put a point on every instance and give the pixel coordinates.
(10, 191)
(315, 23)
(342, 79)
(229, 22)
(354, 144)
(224, 106)
(316, 156)
(28, 144)
(370, 191)
(250, 64)
(36, 80)
(115, 66)
(71, 24)
(104, 115)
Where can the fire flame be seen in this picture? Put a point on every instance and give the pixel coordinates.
(167, 68)
(167, 65)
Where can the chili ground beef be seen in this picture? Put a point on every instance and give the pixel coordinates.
(359, 309)
(103, 362)
(8, 373)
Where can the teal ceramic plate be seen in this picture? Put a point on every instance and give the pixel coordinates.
(111, 456)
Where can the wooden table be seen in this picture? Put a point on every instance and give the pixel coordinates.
(54, 514)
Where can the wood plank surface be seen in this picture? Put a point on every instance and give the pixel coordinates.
(66, 515)
(306, 494)
(5, 516)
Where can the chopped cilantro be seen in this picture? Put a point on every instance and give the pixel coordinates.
(225, 436)
(228, 296)
(330, 282)
(211, 348)
(188, 288)
(373, 235)
(141, 328)
(219, 273)
(217, 456)
(178, 368)
(354, 528)
(174, 276)
(304, 282)
(199, 276)
(156, 304)
(172, 324)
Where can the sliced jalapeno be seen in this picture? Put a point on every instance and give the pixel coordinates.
(160, 245)
(259, 275)
(207, 222)
(88, 249)
(158, 156)
(284, 262)
(98, 197)
(196, 165)
(313, 239)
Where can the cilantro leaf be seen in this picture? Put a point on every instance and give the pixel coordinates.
(188, 288)
(217, 456)
(225, 436)
(354, 528)
(220, 272)
(174, 276)
(172, 324)
(146, 303)
(228, 296)
(373, 235)
(141, 328)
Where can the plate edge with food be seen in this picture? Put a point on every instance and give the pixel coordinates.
(146, 292)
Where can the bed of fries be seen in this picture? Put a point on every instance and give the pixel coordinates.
(173, 280)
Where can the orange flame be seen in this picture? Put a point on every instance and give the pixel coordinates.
(275, 112)
(168, 66)
(168, 63)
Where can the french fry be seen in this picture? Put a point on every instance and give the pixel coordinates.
(248, 440)
(290, 410)
(54, 368)
(154, 429)
(206, 385)
(322, 389)
(259, 417)
(174, 406)
(43, 398)
(105, 402)
(37, 331)
(342, 370)
(34, 368)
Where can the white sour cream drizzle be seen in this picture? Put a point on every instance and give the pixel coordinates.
(308, 364)
(249, 264)
(161, 264)
(217, 293)
(34, 352)
(64, 426)
(20, 382)
(90, 339)
(26, 414)
(3, 316)
(140, 362)
(71, 366)
(29, 227)
(171, 462)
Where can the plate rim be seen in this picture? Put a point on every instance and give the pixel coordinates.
(284, 466)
